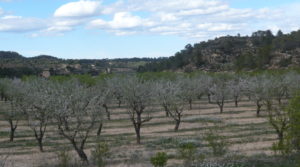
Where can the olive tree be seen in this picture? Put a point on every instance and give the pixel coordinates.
(292, 79)
(204, 82)
(77, 113)
(165, 91)
(106, 93)
(39, 107)
(13, 96)
(220, 92)
(278, 88)
(236, 86)
(168, 94)
(258, 89)
(176, 112)
(189, 88)
(279, 120)
(138, 95)
(114, 84)
(293, 111)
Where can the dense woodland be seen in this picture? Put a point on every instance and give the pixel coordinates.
(235, 53)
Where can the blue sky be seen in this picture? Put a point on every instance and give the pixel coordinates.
(133, 28)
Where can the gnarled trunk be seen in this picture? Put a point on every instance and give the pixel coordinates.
(209, 98)
(39, 137)
(236, 101)
(12, 130)
(177, 125)
(99, 129)
(221, 105)
(119, 102)
(40, 142)
(79, 151)
(190, 102)
(258, 105)
(138, 134)
(166, 110)
(106, 110)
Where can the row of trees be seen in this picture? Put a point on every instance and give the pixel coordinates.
(79, 109)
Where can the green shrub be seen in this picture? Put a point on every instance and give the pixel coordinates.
(159, 160)
(294, 115)
(187, 152)
(63, 158)
(216, 142)
(100, 153)
(219, 164)
(283, 147)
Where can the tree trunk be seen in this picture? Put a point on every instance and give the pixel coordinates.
(190, 102)
(138, 134)
(99, 129)
(221, 108)
(119, 103)
(40, 142)
(166, 110)
(177, 125)
(82, 155)
(79, 151)
(279, 101)
(209, 99)
(280, 137)
(221, 105)
(12, 130)
(106, 110)
(236, 101)
(258, 108)
(12, 134)
(66, 124)
(39, 138)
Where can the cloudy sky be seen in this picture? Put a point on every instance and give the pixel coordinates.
(133, 28)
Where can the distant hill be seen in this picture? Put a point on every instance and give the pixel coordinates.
(262, 50)
(12, 64)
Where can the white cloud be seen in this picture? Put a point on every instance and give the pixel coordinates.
(11, 17)
(122, 20)
(201, 19)
(20, 24)
(82, 8)
(59, 26)
(1, 11)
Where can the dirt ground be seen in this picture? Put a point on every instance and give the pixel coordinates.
(246, 134)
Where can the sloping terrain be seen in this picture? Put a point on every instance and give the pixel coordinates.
(247, 135)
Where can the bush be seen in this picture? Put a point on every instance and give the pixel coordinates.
(283, 147)
(63, 158)
(294, 115)
(187, 152)
(159, 160)
(217, 143)
(100, 153)
(220, 164)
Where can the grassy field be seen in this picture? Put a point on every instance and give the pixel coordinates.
(246, 134)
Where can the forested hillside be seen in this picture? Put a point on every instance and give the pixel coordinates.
(13, 64)
(261, 50)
